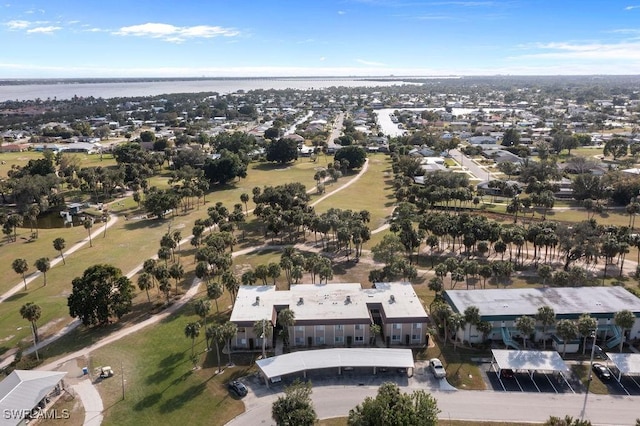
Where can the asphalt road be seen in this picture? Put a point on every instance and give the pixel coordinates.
(335, 401)
(473, 167)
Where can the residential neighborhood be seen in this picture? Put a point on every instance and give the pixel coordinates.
(349, 237)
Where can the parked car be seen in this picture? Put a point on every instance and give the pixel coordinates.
(601, 371)
(506, 373)
(238, 388)
(436, 367)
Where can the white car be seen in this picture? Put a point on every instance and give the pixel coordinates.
(436, 367)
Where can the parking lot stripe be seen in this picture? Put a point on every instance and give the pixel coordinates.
(551, 383)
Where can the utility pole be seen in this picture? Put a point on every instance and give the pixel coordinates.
(122, 374)
(590, 377)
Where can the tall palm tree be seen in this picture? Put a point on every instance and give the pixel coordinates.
(20, 266)
(229, 331)
(59, 245)
(214, 333)
(32, 312)
(88, 224)
(231, 284)
(33, 212)
(145, 282)
(286, 318)
(547, 317)
(176, 271)
(264, 329)
(202, 308)
(192, 331)
(43, 265)
(215, 291)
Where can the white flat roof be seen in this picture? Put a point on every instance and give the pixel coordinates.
(626, 363)
(339, 301)
(526, 301)
(529, 360)
(331, 358)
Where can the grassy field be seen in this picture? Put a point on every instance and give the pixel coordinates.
(596, 387)
(139, 236)
(372, 192)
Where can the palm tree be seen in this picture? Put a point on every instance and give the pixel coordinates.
(202, 308)
(59, 245)
(264, 329)
(145, 282)
(31, 312)
(215, 291)
(165, 287)
(286, 318)
(43, 265)
(586, 326)
(231, 284)
(374, 330)
(214, 333)
(244, 197)
(471, 317)
(229, 331)
(525, 325)
(567, 330)
(88, 224)
(20, 266)
(547, 317)
(34, 211)
(176, 271)
(625, 320)
(192, 331)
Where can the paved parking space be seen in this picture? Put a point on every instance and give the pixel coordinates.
(522, 382)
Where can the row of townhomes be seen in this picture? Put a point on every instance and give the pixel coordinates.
(332, 315)
(501, 308)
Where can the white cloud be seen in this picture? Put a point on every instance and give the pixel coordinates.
(44, 30)
(591, 51)
(322, 58)
(370, 63)
(17, 24)
(631, 7)
(175, 34)
(342, 12)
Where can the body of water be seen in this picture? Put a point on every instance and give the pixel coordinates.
(67, 90)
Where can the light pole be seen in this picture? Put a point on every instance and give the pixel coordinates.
(590, 377)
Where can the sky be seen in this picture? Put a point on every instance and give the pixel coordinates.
(226, 38)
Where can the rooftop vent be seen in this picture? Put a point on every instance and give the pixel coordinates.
(257, 300)
(348, 299)
(300, 301)
(392, 298)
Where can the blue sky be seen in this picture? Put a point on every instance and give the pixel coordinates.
(214, 38)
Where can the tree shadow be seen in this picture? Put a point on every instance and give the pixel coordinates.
(175, 403)
(144, 223)
(148, 401)
(16, 296)
(166, 367)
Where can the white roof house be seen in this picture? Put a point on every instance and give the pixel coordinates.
(328, 303)
(23, 390)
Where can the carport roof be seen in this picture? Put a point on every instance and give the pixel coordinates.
(529, 360)
(339, 357)
(626, 363)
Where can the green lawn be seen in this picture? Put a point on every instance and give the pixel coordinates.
(161, 386)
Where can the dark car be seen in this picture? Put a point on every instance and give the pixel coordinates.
(506, 373)
(601, 371)
(238, 388)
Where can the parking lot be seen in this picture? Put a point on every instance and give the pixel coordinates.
(628, 385)
(522, 382)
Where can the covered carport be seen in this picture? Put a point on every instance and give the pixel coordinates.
(529, 361)
(627, 364)
(340, 358)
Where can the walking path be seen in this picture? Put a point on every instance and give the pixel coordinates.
(91, 402)
(112, 220)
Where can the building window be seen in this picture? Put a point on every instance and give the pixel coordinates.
(339, 339)
(241, 330)
(243, 342)
(395, 337)
(358, 338)
(339, 327)
(417, 325)
(299, 327)
(319, 340)
(358, 326)
(319, 327)
(397, 326)
(299, 341)
(415, 337)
